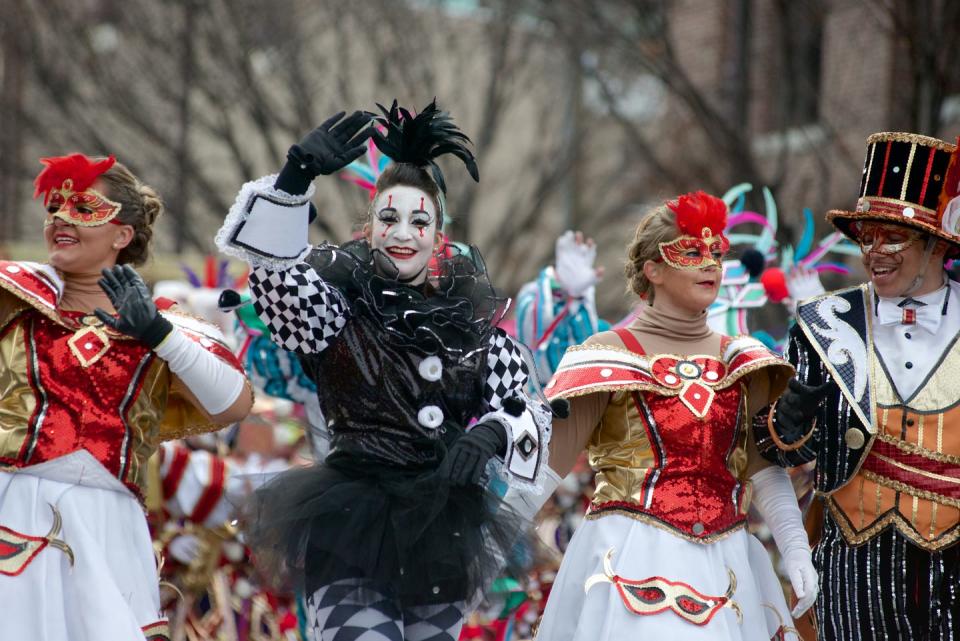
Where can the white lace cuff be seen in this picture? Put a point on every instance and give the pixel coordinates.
(267, 227)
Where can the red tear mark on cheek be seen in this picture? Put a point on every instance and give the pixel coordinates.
(421, 232)
(385, 230)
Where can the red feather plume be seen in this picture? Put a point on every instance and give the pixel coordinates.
(83, 171)
(697, 210)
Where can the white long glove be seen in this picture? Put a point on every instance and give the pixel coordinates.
(215, 384)
(777, 504)
(574, 264)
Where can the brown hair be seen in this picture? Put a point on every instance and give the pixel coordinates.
(658, 226)
(401, 173)
(140, 207)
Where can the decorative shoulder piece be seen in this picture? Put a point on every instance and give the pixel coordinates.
(36, 284)
(837, 326)
(745, 355)
(267, 227)
(585, 369)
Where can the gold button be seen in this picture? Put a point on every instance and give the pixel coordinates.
(854, 438)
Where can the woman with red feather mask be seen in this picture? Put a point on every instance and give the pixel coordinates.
(662, 408)
(94, 373)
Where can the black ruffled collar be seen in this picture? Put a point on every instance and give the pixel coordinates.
(452, 315)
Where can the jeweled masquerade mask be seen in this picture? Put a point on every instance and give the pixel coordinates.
(65, 184)
(701, 219)
(884, 238)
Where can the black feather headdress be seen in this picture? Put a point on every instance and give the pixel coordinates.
(419, 140)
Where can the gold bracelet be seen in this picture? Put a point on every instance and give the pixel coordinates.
(793, 447)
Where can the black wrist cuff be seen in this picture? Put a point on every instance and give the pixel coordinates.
(296, 175)
(495, 434)
(158, 329)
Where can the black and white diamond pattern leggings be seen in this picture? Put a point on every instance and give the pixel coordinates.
(359, 610)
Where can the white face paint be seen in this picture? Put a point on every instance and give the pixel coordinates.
(404, 227)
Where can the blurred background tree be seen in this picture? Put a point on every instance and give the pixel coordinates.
(583, 112)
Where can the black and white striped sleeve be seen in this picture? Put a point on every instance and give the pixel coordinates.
(302, 312)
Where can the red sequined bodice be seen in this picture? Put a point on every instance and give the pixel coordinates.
(689, 484)
(85, 395)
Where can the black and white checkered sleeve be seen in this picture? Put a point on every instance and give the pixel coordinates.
(302, 312)
(506, 369)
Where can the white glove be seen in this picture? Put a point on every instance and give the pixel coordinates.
(185, 548)
(214, 382)
(803, 283)
(776, 502)
(574, 263)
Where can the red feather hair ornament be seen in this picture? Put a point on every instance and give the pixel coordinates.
(698, 210)
(77, 168)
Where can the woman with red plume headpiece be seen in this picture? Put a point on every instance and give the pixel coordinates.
(662, 407)
(95, 375)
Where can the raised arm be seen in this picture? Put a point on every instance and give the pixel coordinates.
(267, 227)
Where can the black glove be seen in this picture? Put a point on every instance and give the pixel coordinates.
(138, 316)
(797, 408)
(328, 148)
(467, 457)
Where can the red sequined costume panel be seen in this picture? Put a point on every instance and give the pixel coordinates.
(98, 406)
(689, 485)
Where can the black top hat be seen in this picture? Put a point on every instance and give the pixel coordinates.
(910, 180)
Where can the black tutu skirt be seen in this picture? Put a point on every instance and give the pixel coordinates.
(410, 533)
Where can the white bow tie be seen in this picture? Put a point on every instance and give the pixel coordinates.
(927, 316)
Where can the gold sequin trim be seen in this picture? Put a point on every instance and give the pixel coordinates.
(902, 136)
(910, 448)
(661, 525)
(928, 228)
(896, 519)
(909, 489)
(899, 202)
(33, 301)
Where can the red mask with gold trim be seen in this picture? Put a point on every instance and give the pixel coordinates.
(65, 184)
(701, 219)
(884, 238)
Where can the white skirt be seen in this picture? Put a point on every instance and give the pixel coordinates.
(111, 592)
(581, 609)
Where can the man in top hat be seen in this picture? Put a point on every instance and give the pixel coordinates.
(876, 401)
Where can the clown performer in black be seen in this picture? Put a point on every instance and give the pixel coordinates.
(395, 532)
(874, 402)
